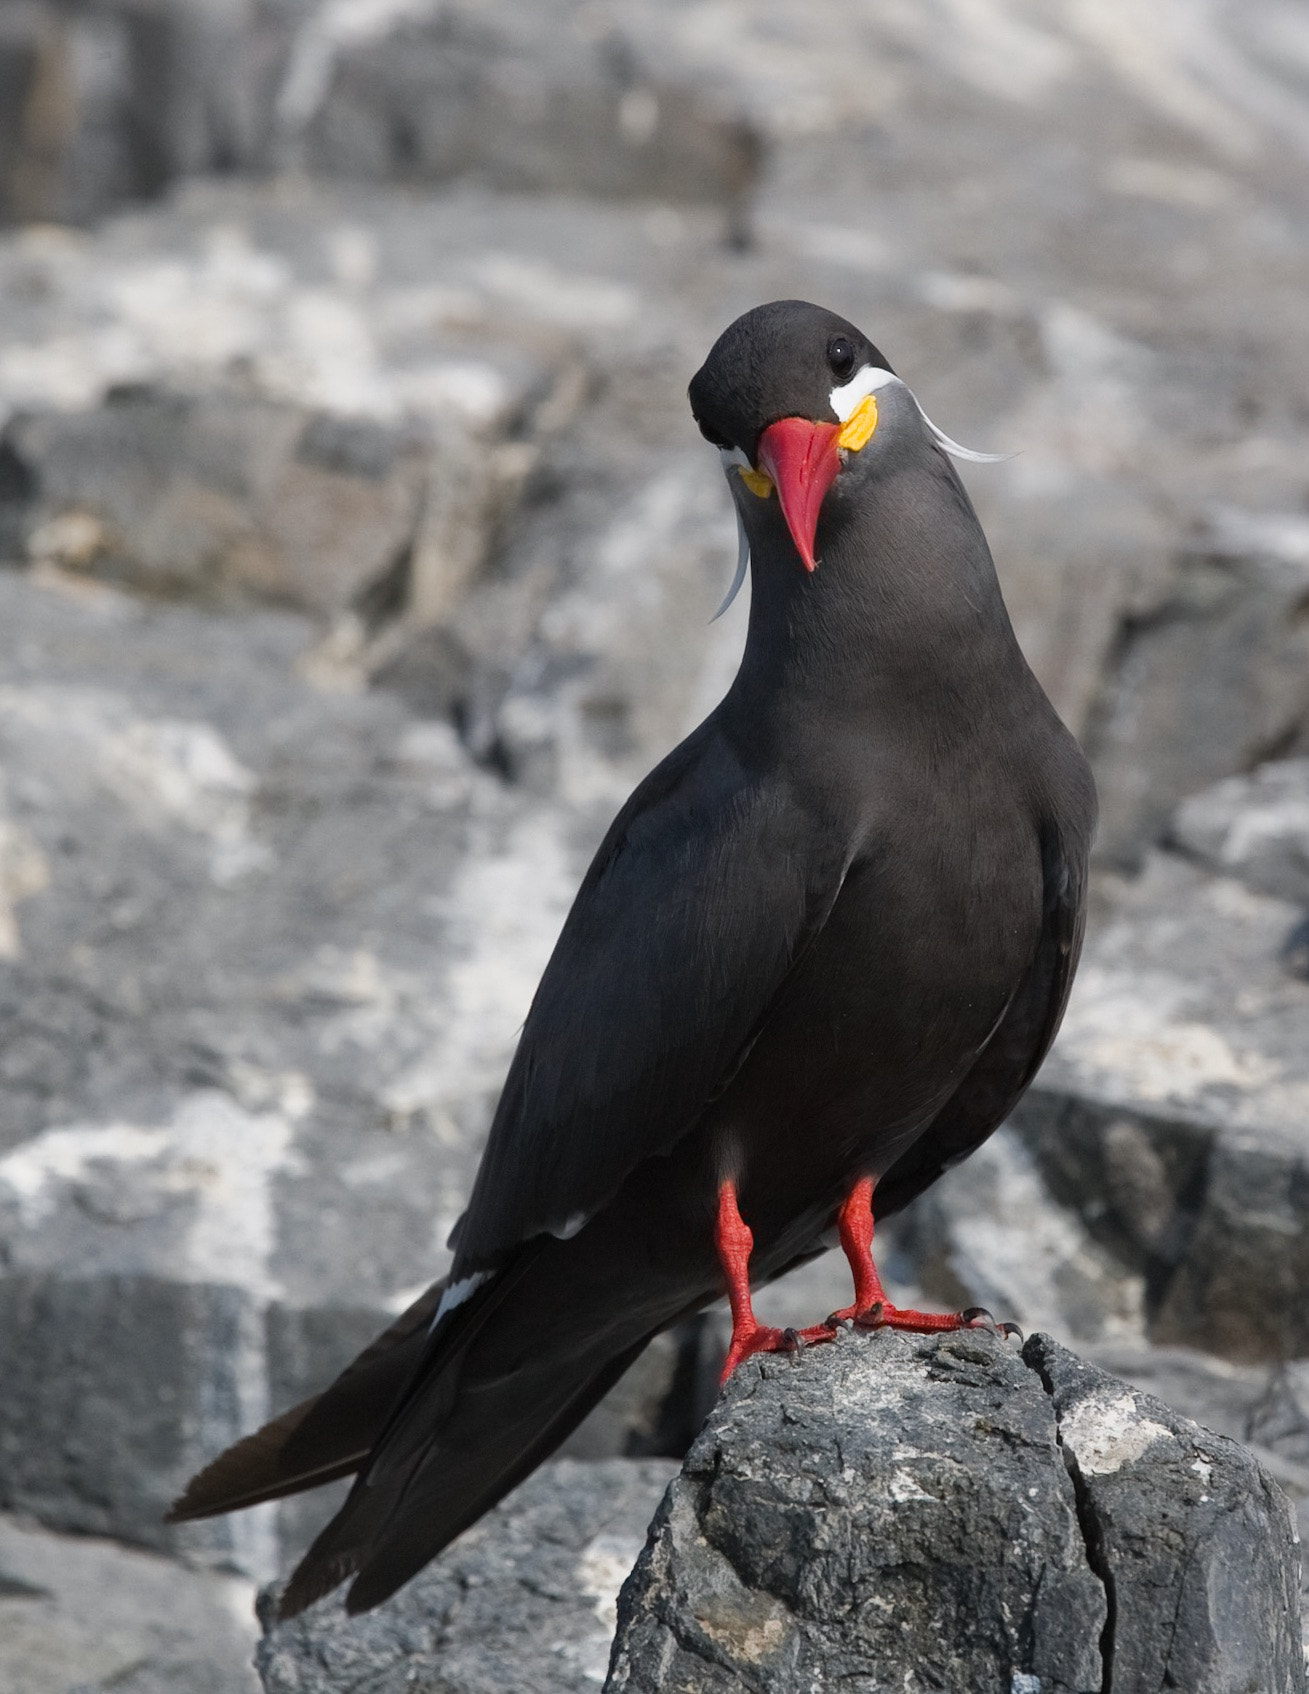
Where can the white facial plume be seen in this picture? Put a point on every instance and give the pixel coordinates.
(844, 402)
(733, 460)
(868, 379)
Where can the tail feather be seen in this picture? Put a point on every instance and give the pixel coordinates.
(440, 1423)
(512, 1373)
(325, 1437)
(400, 1516)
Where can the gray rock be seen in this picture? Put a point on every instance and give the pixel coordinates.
(1170, 1117)
(209, 494)
(1155, 1161)
(338, 401)
(263, 951)
(895, 1509)
(113, 101)
(516, 366)
(226, 420)
(81, 1616)
(1255, 828)
(523, 1603)
(959, 1245)
(535, 99)
(881, 1508)
(1214, 680)
(1192, 1538)
(79, 133)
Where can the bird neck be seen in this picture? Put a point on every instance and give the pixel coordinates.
(904, 614)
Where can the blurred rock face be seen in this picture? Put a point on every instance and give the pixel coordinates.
(362, 554)
(1119, 308)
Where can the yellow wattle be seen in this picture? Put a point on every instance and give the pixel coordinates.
(756, 481)
(857, 430)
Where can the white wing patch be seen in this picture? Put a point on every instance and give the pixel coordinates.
(457, 1293)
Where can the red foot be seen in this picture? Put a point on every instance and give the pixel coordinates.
(871, 1308)
(735, 1242)
(761, 1339)
(885, 1316)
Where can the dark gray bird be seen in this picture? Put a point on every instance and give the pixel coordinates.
(817, 959)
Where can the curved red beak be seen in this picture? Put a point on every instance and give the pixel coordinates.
(802, 460)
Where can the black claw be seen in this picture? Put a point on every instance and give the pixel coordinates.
(795, 1342)
(1011, 1332)
(977, 1317)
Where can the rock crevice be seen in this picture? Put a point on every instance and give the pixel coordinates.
(950, 1511)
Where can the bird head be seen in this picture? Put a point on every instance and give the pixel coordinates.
(795, 397)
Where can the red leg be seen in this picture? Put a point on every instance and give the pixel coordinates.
(735, 1243)
(872, 1309)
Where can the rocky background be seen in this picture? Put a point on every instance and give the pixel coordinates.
(360, 554)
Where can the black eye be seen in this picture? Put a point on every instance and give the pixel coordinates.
(711, 435)
(840, 356)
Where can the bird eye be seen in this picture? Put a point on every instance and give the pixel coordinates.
(840, 356)
(711, 435)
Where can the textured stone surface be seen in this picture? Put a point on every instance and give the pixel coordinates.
(109, 102)
(200, 494)
(81, 1616)
(894, 1511)
(1158, 1160)
(945, 1509)
(265, 938)
(343, 400)
(521, 1604)
(1255, 828)
(882, 1508)
(265, 951)
(1171, 1115)
(1195, 1543)
(1214, 680)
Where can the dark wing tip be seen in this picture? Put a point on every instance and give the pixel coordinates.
(314, 1577)
(248, 1472)
(257, 1469)
(323, 1438)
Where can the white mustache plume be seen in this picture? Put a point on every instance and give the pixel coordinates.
(843, 401)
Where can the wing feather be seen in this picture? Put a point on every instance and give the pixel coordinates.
(1012, 1057)
(709, 886)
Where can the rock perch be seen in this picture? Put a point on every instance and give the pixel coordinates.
(903, 1513)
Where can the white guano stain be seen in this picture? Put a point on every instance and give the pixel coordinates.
(167, 772)
(1131, 1028)
(905, 1487)
(1107, 1431)
(214, 1157)
(504, 911)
